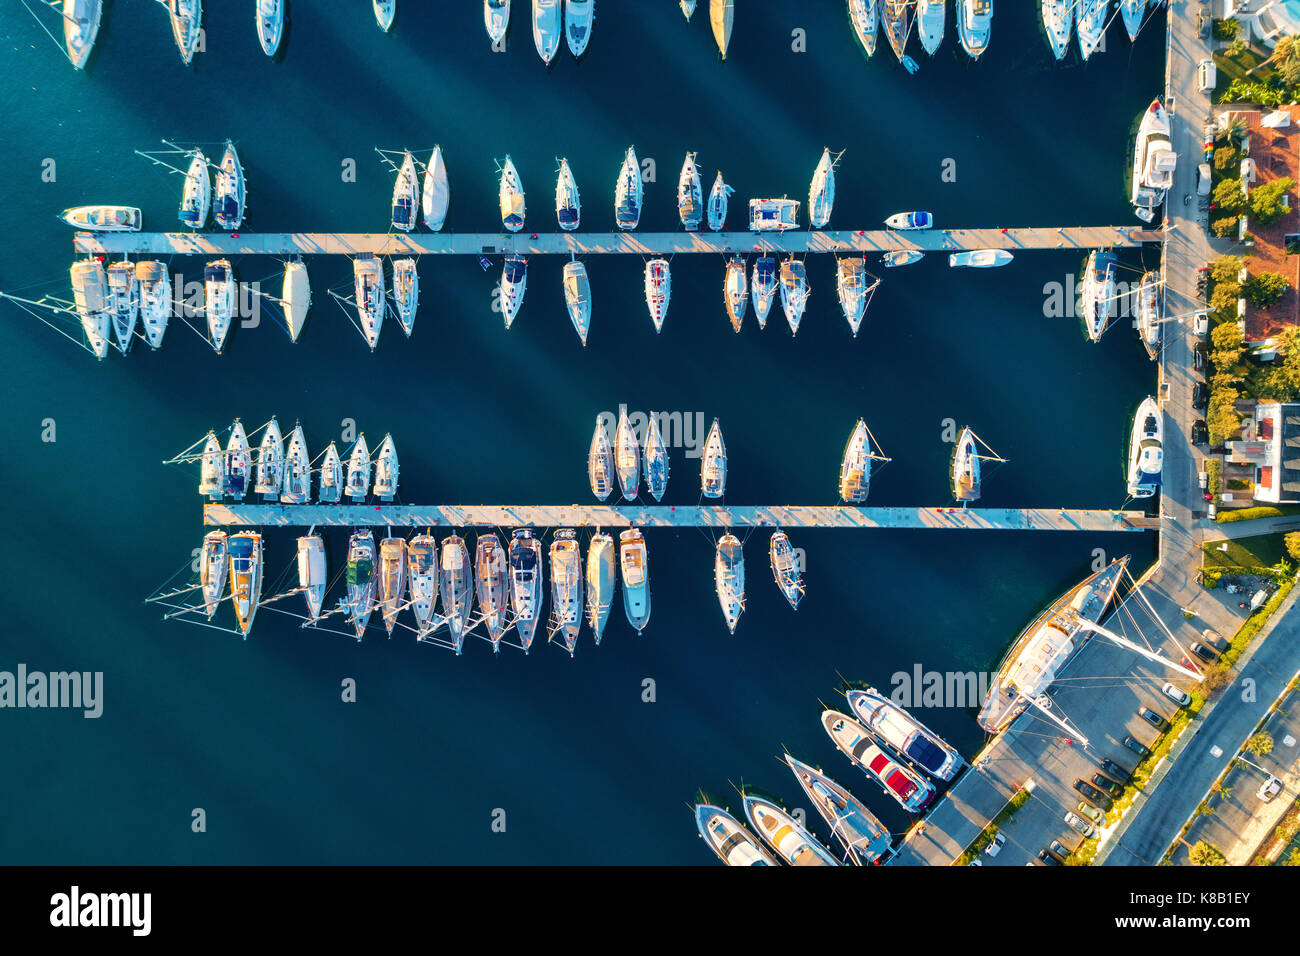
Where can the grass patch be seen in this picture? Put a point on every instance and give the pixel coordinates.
(972, 852)
(1261, 511)
(1257, 551)
(1237, 66)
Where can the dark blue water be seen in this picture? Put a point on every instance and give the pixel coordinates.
(255, 732)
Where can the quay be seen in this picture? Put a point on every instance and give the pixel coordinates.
(672, 516)
(608, 243)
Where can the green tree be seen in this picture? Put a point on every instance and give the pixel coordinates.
(1227, 157)
(1215, 679)
(1265, 289)
(1227, 195)
(1221, 419)
(1261, 744)
(1206, 854)
(1227, 338)
(1285, 59)
(1226, 268)
(1226, 227)
(1226, 29)
(1233, 130)
(1294, 858)
(1224, 298)
(1266, 200)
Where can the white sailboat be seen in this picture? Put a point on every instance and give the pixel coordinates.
(863, 15)
(91, 299)
(386, 466)
(627, 192)
(219, 300)
(627, 457)
(855, 288)
(527, 590)
(360, 579)
(231, 190)
(568, 204)
(718, 196)
(786, 568)
(330, 488)
(435, 195)
(492, 580)
(1090, 18)
(187, 26)
(270, 26)
(514, 281)
(510, 196)
(1058, 23)
(211, 468)
(295, 296)
(123, 302)
(312, 573)
(690, 197)
(600, 463)
(729, 579)
(658, 290)
(762, 287)
(577, 297)
(406, 195)
(196, 197)
(855, 467)
(688, 8)
(821, 194)
(894, 22)
(1097, 292)
(965, 472)
(713, 464)
(155, 300)
(656, 460)
(358, 475)
(214, 569)
(296, 484)
(406, 292)
(80, 27)
(422, 580)
(735, 291)
(270, 461)
(1149, 321)
(456, 584)
(794, 291)
(602, 581)
(238, 466)
(392, 579)
(371, 297)
(566, 589)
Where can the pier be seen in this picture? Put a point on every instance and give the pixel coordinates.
(795, 242)
(672, 516)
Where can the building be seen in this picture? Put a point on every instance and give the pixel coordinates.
(1274, 452)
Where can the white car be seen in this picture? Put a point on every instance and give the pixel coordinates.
(995, 847)
(1179, 697)
(1078, 823)
(1269, 789)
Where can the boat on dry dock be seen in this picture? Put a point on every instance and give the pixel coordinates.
(422, 580)
(435, 195)
(863, 15)
(724, 834)
(231, 190)
(568, 204)
(245, 549)
(392, 579)
(627, 457)
(902, 733)
(658, 290)
(974, 24)
(855, 467)
(527, 589)
(627, 192)
(690, 196)
(219, 301)
(633, 560)
(600, 463)
(729, 579)
(718, 201)
(406, 293)
(296, 485)
(123, 303)
(492, 577)
(735, 291)
(238, 463)
(514, 282)
(864, 838)
(713, 464)
(214, 568)
(456, 585)
(794, 291)
(270, 461)
(566, 589)
(602, 581)
(360, 580)
(577, 297)
(371, 296)
(386, 466)
(762, 287)
(912, 791)
(784, 834)
(358, 478)
(786, 568)
(312, 573)
(330, 487)
(821, 193)
(655, 462)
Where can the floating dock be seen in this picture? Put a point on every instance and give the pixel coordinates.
(673, 516)
(796, 242)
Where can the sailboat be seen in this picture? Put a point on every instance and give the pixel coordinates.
(863, 15)
(238, 463)
(627, 192)
(546, 28)
(492, 577)
(907, 737)
(456, 582)
(895, 21)
(821, 194)
(929, 23)
(627, 457)
(864, 838)
(974, 24)
(155, 300)
(514, 282)
(80, 27)
(855, 468)
(231, 191)
(688, 8)
(566, 589)
(360, 580)
(358, 478)
(912, 791)
(422, 580)
(735, 291)
(296, 486)
(794, 291)
(656, 460)
(386, 466)
(270, 25)
(406, 195)
(729, 578)
(577, 297)
(371, 296)
(853, 288)
(496, 18)
(1097, 292)
(196, 196)
(718, 196)
(785, 568)
(270, 461)
(510, 197)
(784, 834)
(330, 487)
(123, 303)
(633, 560)
(724, 834)
(245, 549)
(602, 581)
(219, 301)
(187, 26)
(1058, 23)
(690, 197)
(385, 10)
(527, 590)
(214, 569)
(965, 469)
(658, 290)
(392, 579)
(568, 206)
(579, 15)
(762, 287)
(600, 463)
(1146, 450)
(312, 573)
(435, 196)
(211, 468)
(406, 292)
(720, 17)
(295, 296)
(1148, 313)
(713, 464)
(1090, 23)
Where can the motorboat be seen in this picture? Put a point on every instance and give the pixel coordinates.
(713, 464)
(406, 292)
(211, 464)
(896, 24)
(514, 281)
(123, 302)
(1149, 322)
(1146, 450)
(864, 838)
(602, 581)
(546, 28)
(80, 27)
(371, 296)
(359, 466)
(422, 580)
(784, 834)
(794, 291)
(270, 27)
(600, 463)
(527, 590)
(295, 297)
(721, 13)
(980, 258)
(496, 18)
(855, 467)
(579, 15)
(330, 485)
(853, 288)
(230, 193)
(566, 589)
(901, 257)
(724, 834)
(385, 10)
(219, 301)
(386, 469)
(910, 220)
(718, 196)
(103, 218)
(359, 579)
(912, 791)
(245, 577)
(196, 197)
(633, 560)
(786, 568)
(577, 297)
(735, 291)
(658, 289)
(1154, 162)
(270, 461)
(690, 196)
(187, 26)
(656, 460)
(312, 573)
(1058, 24)
(296, 484)
(762, 287)
(821, 193)
(155, 299)
(627, 192)
(92, 302)
(214, 569)
(435, 196)
(1097, 292)
(456, 583)
(238, 466)
(1090, 18)
(974, 24)
(864, 17)
(907, 737)
(773, 215)
(568, 206)
(729, 578)
(627, 457)
(929, 23)
(392, 579)
(510, 195)
(406, 195)
(688, 8)
(492, 579)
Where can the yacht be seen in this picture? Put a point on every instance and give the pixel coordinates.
(1058, 23)
(851, 283)
(1097, 292)
(634, 562)
(980, 258)
(794, 291)
(386, 467)
(905, 221)
(966, 467)
(627, 457)
(219, 301)
(312, 576)
(492, 577)
(907, 737)
(1044, 648)
(295, 296)
(784, 834)
(270, 27)
(456, 582)
(371, 297)
(658, 289)
(577, 297)
(762, 287)
(514, 281)
(912, 791)
(566, 588)
(214, 568)
(855, 468)
(894, 20)
(392, 579)
(270, 461)
(720, 17)
(358, 478)
(212, 478)
(690, 197)
(187, 26)
(123, 303)
(578, 18)
(330, 489)
(864, 838)
(627, 192)
(435, 195)
(863, 15)
(901, 257)
(729, 578)
(713, 464)
(568, 207)
(385, 10)
(821, 194)
(196, 197)
(245, 549)
(155, 299)
(929, 23)
(510, 196)
(546, 28)
(974, 22)
(735, 291)
(1146, 450)
(1154, 162)
(527, 589)
(238, 465)
(360, 580)
(406, 195)
(718, 197)
(773, 215)
(602, 581)
(656, 460)
(406, 292)
(422, 580)
(600, 463)
(496, 17)
(1090, 17)
(786, 568)
(1148, 313)
(724, 834)
(296, 485)
(230, 193)
(103, 218)
(80, 27)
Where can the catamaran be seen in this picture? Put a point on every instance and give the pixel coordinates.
(1097, 292)
(906, 221)
(577, 297)
(894, 19)
(729, 578)
(980, 258)
(123, 303)
(713, 464)
(406, 292)
(965, 469)
(566, 589)
(296, 486)
(295, 297)
(211, 463)
(526, 586)
(330, 488)
(1090, 21)
(600, 463)
(392, 579)
(785, 568)
(197, 194)
(385, 10)
(1058, 23)
(762, 287)
(245, 577)
(238, 463)
(627, 457)
(312, 573)
(1154, 162)
(514, 282)
(627, 192)
(578, 18)
(720, 17)
(1148, 313)
(270, 461)
(718, 197)
(456, 582)
(864, 838)
(854, 289)
(974, 23)
(568, 206)
(80, 27)
(386, 467)
(690, 197)
(784, 834)
(422, 580)
(270, 27)
(735, 291)
(435, 196)
(510, 197)
(821, 194)
(862, 14)
(633, 560)
(1146, 450)
(214, 568)
(794, 291)
(546, 28)
(103, 218)
(372, 304)
(656, 460)
(492, 577)
(155, 287)
(724, 834)
(902, 733)
(912, 791)
(602, 581)
(358, 480)
(360, 580)
(496, 18)
(773, 215)
(228, 204)
(187, 26)
(219, 301)
(855, 467)
(658, 289)
(929, 23)
(406, 195)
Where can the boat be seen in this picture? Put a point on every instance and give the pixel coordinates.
(600, 463)
(658, 289)
(821, 194)
(392, 579)
(211, 463)
(627, 457)
(296, 484)
(724, 834)
(718, 196)
(456, 582)
(358, 477)
(965, 470)
(406, 292)
(656, 460)
(579, 15)
(1148, 313)
(907, 737)
(155, 299)
(80, 27)
(1097, 292)
(735, 291)
(784, 834)
(238, 465)
(577, 297)
(980, 258)
(855, 467)
(187, 26)
(773, 215)
(514, 282)
(1154, 162)
(360, 580)
(901, 257)
(912, 791)
(546, 28)
(729, 578)
(230, 192)
(526, 585)
(1044, 648)
(91, 299)
(270, 27)
(863, 16)
(864, 838)
(123, 302)
(1058, 24)
(422, 580)
(853, 288)
(762, 287)
(496, 18)
(270, 461)
(690, 196)
(371, 297)
(627, 192)
(103, 218)
(295, 296)
(720, 17)
(197, 194)
(386, 467)
(974, 23)
(1146, 450)
(214, 569)
(566, 589)
(713, 464)
(385, 10)
(312, 577)
(929, 23)
(786, 568)
(568, 206)
(219, 301)
(406, 195)
(688, 8)
(330, 487)
(794, 291)
(492, 578)
(910, 220)
(245, 549)
(1090, 17)
(435, 195)
(634, 562)
(602, 581)
(510, 196)
(894, 22)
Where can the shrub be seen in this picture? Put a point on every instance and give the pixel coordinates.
(1226, 29)
(1226, 268)
(1247, 514)
(1260, 744)
(1227, 195)
(1227, 157)
(1225, 228)
(1292, 544)
(1206, 854)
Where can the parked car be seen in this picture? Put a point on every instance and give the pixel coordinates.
(1179, 697)
(996, 844)
(1093, 795)
(1056, 847)
(1204, 653)
(1207, 76)
(1115, 771)
(1048, 859)
(1137, 746)
(1200, 432)
(1199, 356)
(1212, 638)
(1200, 396)
(1203, 26)
(1103, 782)
(1078, 824)
(1091, 812)
(1269, 789)
(1153, 718)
